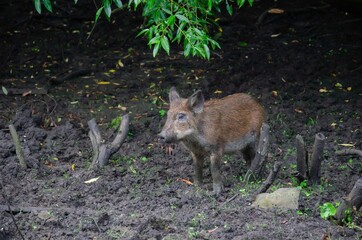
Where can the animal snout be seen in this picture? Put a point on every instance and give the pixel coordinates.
(161, 137)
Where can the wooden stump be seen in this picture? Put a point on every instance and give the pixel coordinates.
(103, 150)
(302, 159)
(317, 157)
(352, 203)
(261, 152)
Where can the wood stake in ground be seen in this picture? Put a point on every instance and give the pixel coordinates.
(352, 203)
(258, 162)
(103, 150)
(18, 149)
(317, 157)
(302, 159)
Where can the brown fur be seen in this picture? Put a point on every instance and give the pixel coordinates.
(212, 128)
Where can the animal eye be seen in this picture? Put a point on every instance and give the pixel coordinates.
(181, 116)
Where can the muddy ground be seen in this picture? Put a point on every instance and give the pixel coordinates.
(304, 66)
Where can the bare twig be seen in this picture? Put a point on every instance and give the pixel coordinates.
(25, 91)
(19, 150)
(11, 213)
(349, 152)
(271, 177)
(229, 200)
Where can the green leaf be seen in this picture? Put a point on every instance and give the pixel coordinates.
(167, 11)
(155, 49)
(209, 5)
(37, 5)
(327, 210)
(200, 52)
(143, 32)
(251, 2)
(240, 3)
(118, 3)
(207, 51)
(155, 40)
(98, 13)
(182, 18)
(48, 5)
(214, 44)
(243, 44)
(198, 32)
(107, 8)
(187, 50)
(5, 91)
(171, 20)
(75, 1)
(165, 44)
(229, 8)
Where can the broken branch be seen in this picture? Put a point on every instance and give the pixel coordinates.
(18, 149)
(271, 177)
(349, 152)
(101, 149)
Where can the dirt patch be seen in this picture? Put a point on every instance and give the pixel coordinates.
(304, 66)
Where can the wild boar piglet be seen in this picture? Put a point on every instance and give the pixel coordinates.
(212, 128)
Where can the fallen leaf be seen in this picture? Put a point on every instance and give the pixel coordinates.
(26, 93)
(185, 181)
(103, 83)
(112, 70)
(346, 144)
(5, 91)
(120, 63)
(73, 167)
(218, 92)
(212, 230)
(274, 93)
(92, 180)
(275, 35)
(323, 90)
(298, 110)
(338, 85)
(276, 11)
(349, 89)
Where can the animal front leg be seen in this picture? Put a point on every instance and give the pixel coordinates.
(215, 160)
(198, 161)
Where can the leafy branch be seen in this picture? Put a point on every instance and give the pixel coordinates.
(183, 22)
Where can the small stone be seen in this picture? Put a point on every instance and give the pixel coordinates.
(283, 199)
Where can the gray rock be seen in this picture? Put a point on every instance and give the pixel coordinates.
(283, 199)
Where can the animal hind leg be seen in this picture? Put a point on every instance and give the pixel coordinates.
(249, 153)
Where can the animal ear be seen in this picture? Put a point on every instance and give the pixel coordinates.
(196, 102)
(173, 95)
